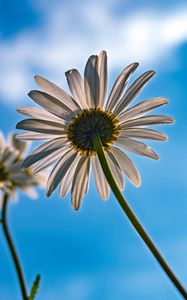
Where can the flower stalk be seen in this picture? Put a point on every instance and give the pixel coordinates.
(132, 217)
(12, 248)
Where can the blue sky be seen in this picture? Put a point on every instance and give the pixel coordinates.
(95, 254)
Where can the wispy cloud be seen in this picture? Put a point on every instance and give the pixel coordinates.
(69, 33)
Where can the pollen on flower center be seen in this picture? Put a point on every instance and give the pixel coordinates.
(92, 122)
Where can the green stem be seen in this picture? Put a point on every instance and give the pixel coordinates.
(132, 218)
(12, 248)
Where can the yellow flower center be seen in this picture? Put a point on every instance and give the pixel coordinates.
(28, 172)
(91, 122)
(3, 173)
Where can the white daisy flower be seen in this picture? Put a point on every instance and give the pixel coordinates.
(68, 124)
(12, 156)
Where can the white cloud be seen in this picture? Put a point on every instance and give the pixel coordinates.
(70, 33)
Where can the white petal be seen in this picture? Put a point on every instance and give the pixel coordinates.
(119, 86)
(103, 77)
(142, 133)
(60, 171)
(91, 81)
(34, 136)
(80, 180)
(76, 86)
(16, 166)
(136, 147)
(44, 150)
(31, 192)
(52, 105)
(16, 144)
(115, 169)
(88, 177)
(2, 140)
(9, 155)
(54, 144)
(146, 121)
(41, 178)
(38, 113)
(100, 179)
(55, 91)
(42, 126)
(49, 160)
(133, 91)
(141, 109)
(127, 166)
(20, 178)
(67, 180)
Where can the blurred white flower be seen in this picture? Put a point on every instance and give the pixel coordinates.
(12, 154)
(69, 123)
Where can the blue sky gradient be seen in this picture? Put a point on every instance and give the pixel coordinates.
(95, 254)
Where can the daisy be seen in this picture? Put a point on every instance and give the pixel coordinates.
(69, 123)
(12, 155)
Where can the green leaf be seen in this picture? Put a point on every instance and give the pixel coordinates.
(34, 288)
